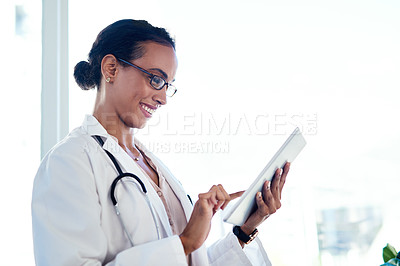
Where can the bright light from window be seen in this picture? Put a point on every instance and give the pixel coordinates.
(249, 72)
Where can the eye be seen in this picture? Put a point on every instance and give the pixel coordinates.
(157, 82)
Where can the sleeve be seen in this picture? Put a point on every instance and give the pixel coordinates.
(227, 251)
(66, 219)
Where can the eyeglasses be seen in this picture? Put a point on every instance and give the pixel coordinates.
(156, 82)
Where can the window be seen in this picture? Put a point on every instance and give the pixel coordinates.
(20, 24)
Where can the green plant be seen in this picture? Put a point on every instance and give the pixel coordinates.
(390, 256)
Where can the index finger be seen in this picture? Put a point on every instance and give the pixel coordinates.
(286, 169)
(236, 194)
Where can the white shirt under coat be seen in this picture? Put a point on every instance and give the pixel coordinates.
(74, 221)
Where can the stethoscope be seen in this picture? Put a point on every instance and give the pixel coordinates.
(112, 191)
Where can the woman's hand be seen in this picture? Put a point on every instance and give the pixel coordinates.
(268, 202)
(199, 225)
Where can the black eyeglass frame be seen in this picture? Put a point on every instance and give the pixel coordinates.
(152, 76)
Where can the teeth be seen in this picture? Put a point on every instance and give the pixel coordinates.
(149, 110)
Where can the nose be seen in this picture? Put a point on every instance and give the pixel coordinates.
(160, 96)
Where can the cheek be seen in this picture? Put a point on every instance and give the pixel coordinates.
(136, 88)
(129, 100)
(129, 92)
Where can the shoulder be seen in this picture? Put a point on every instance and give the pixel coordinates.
(68, 166)
(75, 143)
(74, 149)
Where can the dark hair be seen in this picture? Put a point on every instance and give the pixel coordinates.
(123, 39)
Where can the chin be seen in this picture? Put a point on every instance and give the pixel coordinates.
(140, 126)
(132, 122)
(137, 124)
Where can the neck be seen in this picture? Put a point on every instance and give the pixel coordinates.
(110, 120)
(115, 127)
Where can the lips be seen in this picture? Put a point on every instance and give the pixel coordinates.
(149, 110)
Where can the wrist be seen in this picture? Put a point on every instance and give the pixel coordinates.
(185, 245)
(247, 229)
(243, 236)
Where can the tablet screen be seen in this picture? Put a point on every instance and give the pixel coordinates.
(239, 212)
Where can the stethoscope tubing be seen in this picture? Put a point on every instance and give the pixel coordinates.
(119, 177)
(114, 185)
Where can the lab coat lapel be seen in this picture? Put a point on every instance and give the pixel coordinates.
(172, 181)
(179, 191)
(199, 257)
(128, 165)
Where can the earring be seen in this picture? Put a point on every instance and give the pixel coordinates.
(108, 79)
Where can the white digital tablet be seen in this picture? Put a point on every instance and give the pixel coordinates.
(239, 212)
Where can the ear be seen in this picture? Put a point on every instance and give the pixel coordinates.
(109, 68)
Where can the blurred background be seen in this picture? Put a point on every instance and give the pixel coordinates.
(249, 73)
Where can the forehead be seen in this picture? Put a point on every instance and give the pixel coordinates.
(158, 56)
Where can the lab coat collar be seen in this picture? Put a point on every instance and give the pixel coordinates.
(92, 126)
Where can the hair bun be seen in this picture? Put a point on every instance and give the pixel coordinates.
(83, 75)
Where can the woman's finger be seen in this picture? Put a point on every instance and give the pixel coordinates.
(274, 186)
(220, 196)
(212, 195)
(276, 179)
(262, 208)
(236, 195)
(286, 169)
(216, 197)
(269, 199)
(226, 196)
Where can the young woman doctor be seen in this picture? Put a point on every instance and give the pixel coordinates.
(83, 214)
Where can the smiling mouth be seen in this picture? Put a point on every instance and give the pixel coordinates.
(147, 109)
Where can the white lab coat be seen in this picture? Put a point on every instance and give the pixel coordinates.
(74, 221)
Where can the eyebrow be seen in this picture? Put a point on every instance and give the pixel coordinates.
(161, 71)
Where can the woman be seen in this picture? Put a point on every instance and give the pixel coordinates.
(132, 64)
